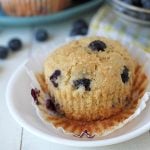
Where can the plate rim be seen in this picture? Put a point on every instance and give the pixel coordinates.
(52, 18)
(58, 140)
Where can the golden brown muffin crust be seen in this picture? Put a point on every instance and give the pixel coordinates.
(108, 94)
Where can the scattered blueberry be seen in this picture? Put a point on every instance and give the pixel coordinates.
(35, 93)
(97, 45)
(143, 16)
(143, 1)
(50, 104)
(82, 82)
(80, 23)
(75, 32)
(146, 4)
(15, 44)
(54, 77)
(125, 75)
(127, 1)
(41, 35)
(80, 27)
(137, 3)
(3, 52)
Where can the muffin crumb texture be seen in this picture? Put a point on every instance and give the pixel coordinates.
(90, 78)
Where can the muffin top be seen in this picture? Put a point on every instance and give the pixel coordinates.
(90, 78)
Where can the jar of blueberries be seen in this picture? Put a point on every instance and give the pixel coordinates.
(132, 10)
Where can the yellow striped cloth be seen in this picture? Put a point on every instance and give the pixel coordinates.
(107, 23)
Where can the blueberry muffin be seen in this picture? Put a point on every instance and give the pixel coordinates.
(90, 78)
(33, 7)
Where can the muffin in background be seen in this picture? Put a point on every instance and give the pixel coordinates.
(33, 7)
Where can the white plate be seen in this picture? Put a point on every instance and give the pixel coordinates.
(20, 106)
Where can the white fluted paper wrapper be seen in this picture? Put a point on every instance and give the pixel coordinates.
(35, 65)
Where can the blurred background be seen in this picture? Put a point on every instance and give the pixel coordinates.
(28, 27)
(34, 24)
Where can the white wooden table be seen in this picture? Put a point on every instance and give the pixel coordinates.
(14, 137)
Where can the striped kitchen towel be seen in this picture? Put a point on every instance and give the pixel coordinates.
(107, 23)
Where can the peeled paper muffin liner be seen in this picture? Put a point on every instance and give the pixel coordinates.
(140, 95)
(33, 7)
